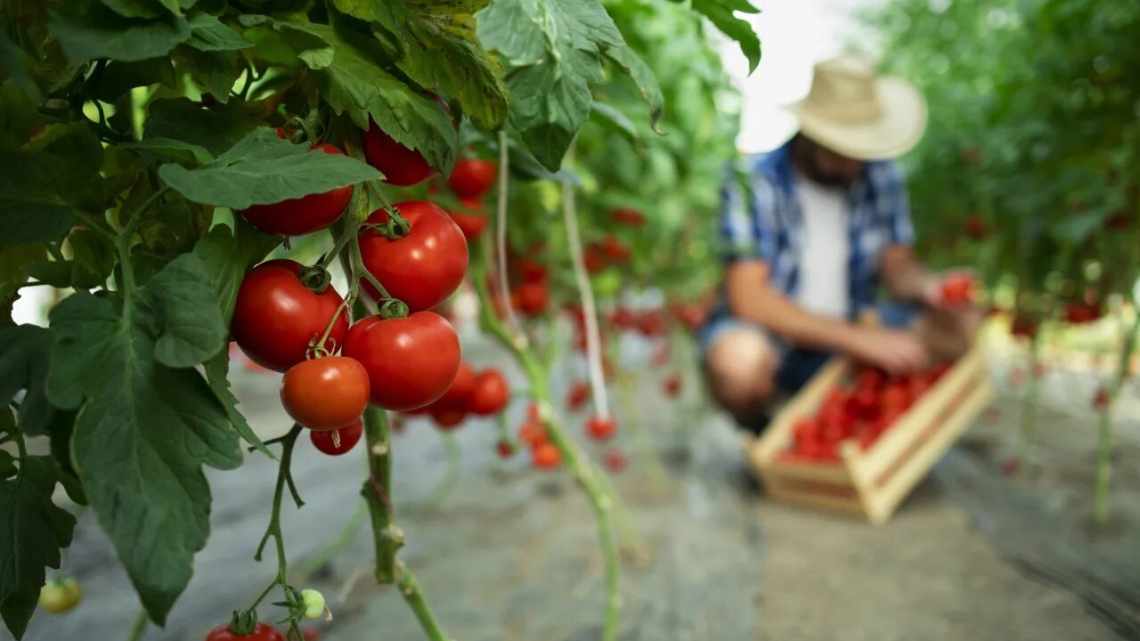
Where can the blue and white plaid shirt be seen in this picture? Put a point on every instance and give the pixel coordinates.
(768, 223)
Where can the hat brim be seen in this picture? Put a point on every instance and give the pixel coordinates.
(896, 131)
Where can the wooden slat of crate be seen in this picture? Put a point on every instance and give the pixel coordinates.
(885, 498)
(900, 437)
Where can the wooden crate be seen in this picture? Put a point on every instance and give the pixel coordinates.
(871, 482)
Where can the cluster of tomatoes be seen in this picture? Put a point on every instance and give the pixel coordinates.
(261, 632)
(862, 411)
(482, 393)
(289, 319)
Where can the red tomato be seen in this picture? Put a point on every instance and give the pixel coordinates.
(471, 225)
(261, 632)
(489, 394)
(672, 385)
(806, 429)
(532, 413)
(628, 216)
(410, 361)
(302, 215)
(651, 323)
(311, 634)
(425, 266)
(339, 441)
(594, 259)
(546, 456)
(472, 177)
(615, 250)
(871, 378)
(976, 227)
(1119, 222)
(504, 449)
(325, 393)
(896, 398)
(447, 418)
(401, 166)
(957, 289)
(276, 316)
(577, 395)
(1081, 313)
(1023, 327)
(533, 434)
(1100, 399)
(531, 298)
(458, 395)
(531, 271)
(601, 429)
(615, 461)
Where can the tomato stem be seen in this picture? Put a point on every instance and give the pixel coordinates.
(501, 231)
(413, 595)
(1102, 486)
(284, 477)
(588, 477)
(138, 627)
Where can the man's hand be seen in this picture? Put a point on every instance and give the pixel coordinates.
(896, 351)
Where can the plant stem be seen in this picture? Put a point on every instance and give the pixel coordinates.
(410, 590)
(138, 627)
(589, 310)
(274, 528)
(501, 230)
(588, 477)
(376, 492)
(1101, 497)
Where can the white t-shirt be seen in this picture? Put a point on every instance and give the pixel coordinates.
(823, 280)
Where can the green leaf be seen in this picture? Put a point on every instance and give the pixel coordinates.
(33, 530)
(33, 208)
(207, 33)
(615, 118)
(24, 366)
(217, 373)
(215, 130)
(92, 31)
(643, 77)
(141, 8)
(262, 169)
(355, 83)
(720, 13)
(215, 72)
(184, 304)
(145, 429)
(183, 153)
(438, 48)
(556, 49)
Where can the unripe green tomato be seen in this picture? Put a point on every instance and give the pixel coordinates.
(60, 596)
(314, 603)
(607, 283)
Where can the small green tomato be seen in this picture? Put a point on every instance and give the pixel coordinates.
(58, 596)
(314, 603)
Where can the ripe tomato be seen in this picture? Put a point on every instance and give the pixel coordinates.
(410, 361)
(425, 266)
(957, 289)
(594, 259)
(472, 225)
(458, 395)
(601, 429)
(262, 632)
(276, 316)
(615, 461)
(504, 449)
(672, 385)
(447, 418)
(325, 393)
(530, 271)
(628, 216)
(1081, 313)
(651, 323)
(531, 298)
(615, 250)
(546, 456)
(302, 215)
(578, 395)
(532, 433)
(338, 441)
(489, 394)
(1100, 399)
(976, 227)
(472, 177)
(401, 166)
(896, 398)
(311, 634)
(1023, 327)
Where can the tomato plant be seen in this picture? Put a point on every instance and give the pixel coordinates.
(135, 131)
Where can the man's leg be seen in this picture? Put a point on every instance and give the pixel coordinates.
(740, 364)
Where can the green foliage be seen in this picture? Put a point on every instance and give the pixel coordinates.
(1033, 133)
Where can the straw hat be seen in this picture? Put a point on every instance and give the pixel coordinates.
(857, 114)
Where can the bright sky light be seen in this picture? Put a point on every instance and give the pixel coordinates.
(794, 35)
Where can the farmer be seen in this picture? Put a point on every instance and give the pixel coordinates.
(810, 235)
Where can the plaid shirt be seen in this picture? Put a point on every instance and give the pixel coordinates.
(768, 223)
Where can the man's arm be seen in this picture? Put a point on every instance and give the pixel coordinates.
(751, 296)
(906, 278)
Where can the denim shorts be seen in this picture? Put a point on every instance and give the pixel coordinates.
(797, 364)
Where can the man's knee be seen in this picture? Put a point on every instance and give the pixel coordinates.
(740, 365)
